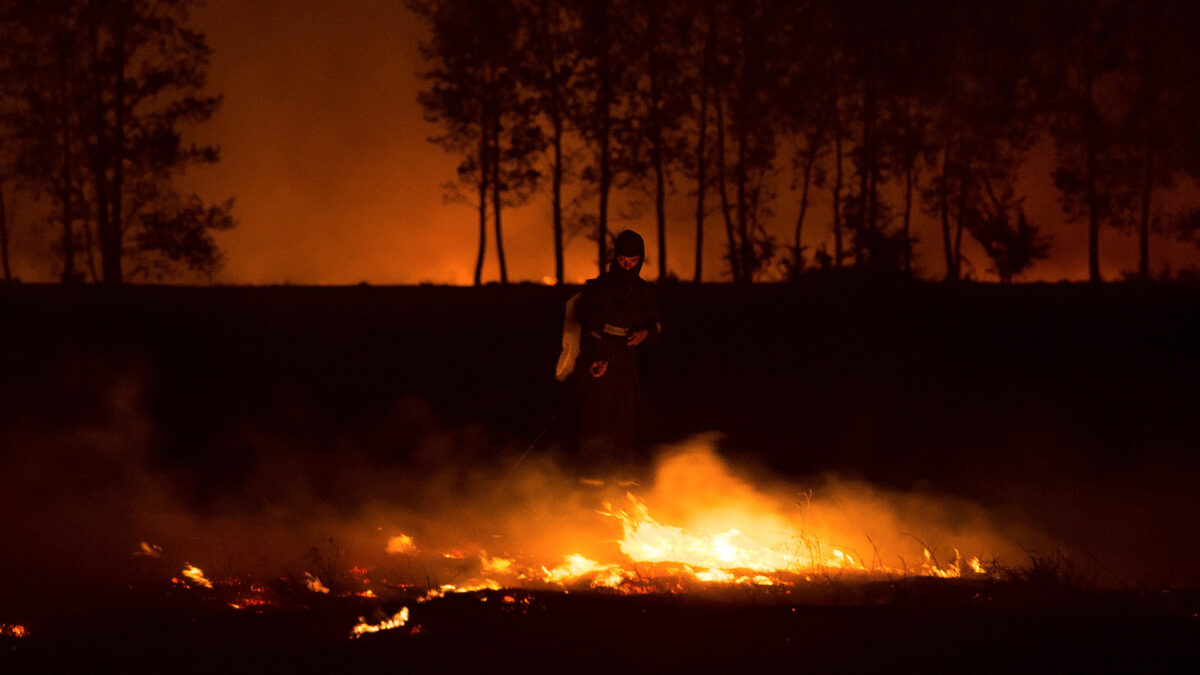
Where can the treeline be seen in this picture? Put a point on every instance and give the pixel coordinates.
(890, 109)
(93, 97)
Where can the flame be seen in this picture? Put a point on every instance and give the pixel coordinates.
(498, 566)
(314, 584)
(14, 630)
(696, 524)
(647, 540)
(401, 543)
(196, 575)
(575, 567)
(149, 550)
(398, 619)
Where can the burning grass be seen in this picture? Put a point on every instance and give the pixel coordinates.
(697, 530)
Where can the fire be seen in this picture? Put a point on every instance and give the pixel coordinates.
(398, 620)
(401, 544)
(13, 630)
(196, 575)
(647, 540)
(697, 525)
(576, 567)
(314, 584)
(149, 550)
(708, 526)
(498, 566)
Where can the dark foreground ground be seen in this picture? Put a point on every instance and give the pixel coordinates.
(927, 626)
(896, 381)
(1076, 407)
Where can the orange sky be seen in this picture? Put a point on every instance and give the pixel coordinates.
(326, 152)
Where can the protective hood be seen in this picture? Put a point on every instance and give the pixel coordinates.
(628, 244)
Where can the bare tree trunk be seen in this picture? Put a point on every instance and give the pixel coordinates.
(557, 179)
(1093, 200)
(701, 177)
(496, 200)
(910, 160)
(735, 266)
(809, 163)
(743, 215)
(554, 101)
(963, 199)
(604, 103)
(871, 164)
(484, 173)
(864, 169)
(1091, 140)
(4, 235)
(101, 160)
(656, 138)
(1144, 228)
(90, 251)
(908, 201)
(660, 211)
(65, 188)
(944, 195)
(839, 251)
(111, 243)
(701, 156)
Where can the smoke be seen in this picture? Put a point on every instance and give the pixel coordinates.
(88, 502)
(878, 527)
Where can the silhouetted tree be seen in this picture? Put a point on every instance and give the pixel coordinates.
(477, 94)
(982, 118)
(1012, 246)
(747, 74)
(1156, 91)
(1077, 59)
(889, 106)
(4, 258)
(554, 27)
(8, 143)
(658, 37)
(595, 108)
(807, 98)
(107, 86)
(703, 61)
(875, 42)
(44, 120)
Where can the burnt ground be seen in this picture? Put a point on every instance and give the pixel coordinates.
(1074, 405)
(924, 626)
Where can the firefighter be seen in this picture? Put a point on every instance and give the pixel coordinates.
(616, 313)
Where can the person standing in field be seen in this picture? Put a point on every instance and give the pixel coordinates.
(614, 314)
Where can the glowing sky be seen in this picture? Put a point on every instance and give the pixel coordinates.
(325, 149)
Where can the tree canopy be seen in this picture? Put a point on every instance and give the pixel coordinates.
(98, 94)
(883, 111)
